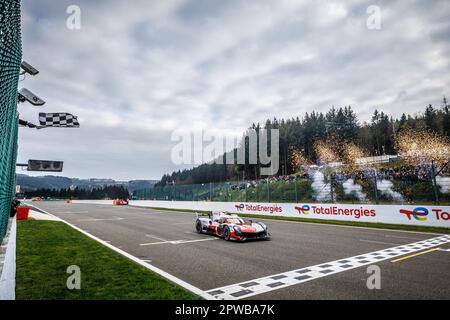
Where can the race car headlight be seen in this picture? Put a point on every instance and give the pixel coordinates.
(237, 229)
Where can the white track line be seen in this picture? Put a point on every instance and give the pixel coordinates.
(400, 237)
(282, 280)
(380, 242)
(153, 243)
(74, 212)
(98, 219)
(157, 238)
(150, 267)
(190, 241)
(176, 242)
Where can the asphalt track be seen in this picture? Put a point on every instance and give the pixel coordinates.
(168, 241)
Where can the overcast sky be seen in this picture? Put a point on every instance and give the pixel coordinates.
(137, 70)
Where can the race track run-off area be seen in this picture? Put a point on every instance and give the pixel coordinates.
(301, 261)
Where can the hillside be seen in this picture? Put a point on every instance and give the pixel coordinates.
(300, 135)
(29, 183)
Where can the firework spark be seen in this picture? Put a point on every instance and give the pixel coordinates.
(298, 159)
(422, 147)
(327, 151)
(352, 152)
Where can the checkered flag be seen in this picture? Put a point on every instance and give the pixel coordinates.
(60, 119)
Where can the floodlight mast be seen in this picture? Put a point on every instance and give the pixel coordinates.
(26, 95)
(28, 68)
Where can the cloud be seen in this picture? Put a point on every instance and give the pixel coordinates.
(137, 71)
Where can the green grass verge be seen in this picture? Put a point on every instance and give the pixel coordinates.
(46, 248)
(334, 222)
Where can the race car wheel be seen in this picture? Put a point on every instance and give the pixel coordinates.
(198, 227)
(226, 233)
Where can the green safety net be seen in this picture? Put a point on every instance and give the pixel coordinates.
(10, 59)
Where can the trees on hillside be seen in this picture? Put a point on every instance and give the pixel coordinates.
(111, 192)
(376, 137)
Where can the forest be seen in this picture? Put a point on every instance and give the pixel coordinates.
(106, 192)
(301, 134)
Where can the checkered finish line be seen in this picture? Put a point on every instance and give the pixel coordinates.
(290, 278)
(58, 120)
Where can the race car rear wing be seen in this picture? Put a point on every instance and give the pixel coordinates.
(203, 215)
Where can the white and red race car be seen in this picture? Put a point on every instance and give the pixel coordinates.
(230, 227)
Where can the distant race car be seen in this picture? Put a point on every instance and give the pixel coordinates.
(120, 202)
(230, 227)
(36, 199)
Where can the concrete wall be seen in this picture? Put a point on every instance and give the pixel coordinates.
(8, 263)
(432, 216)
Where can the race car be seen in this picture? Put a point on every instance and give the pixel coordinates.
(120, 202)
(230, 227)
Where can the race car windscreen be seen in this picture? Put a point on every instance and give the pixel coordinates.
(234, 221)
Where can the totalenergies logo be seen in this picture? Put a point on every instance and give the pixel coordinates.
(418, 213)
(239, 207)
(303, 209)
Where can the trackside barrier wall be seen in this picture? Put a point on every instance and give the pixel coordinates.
(8, 264)
(430, 216)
